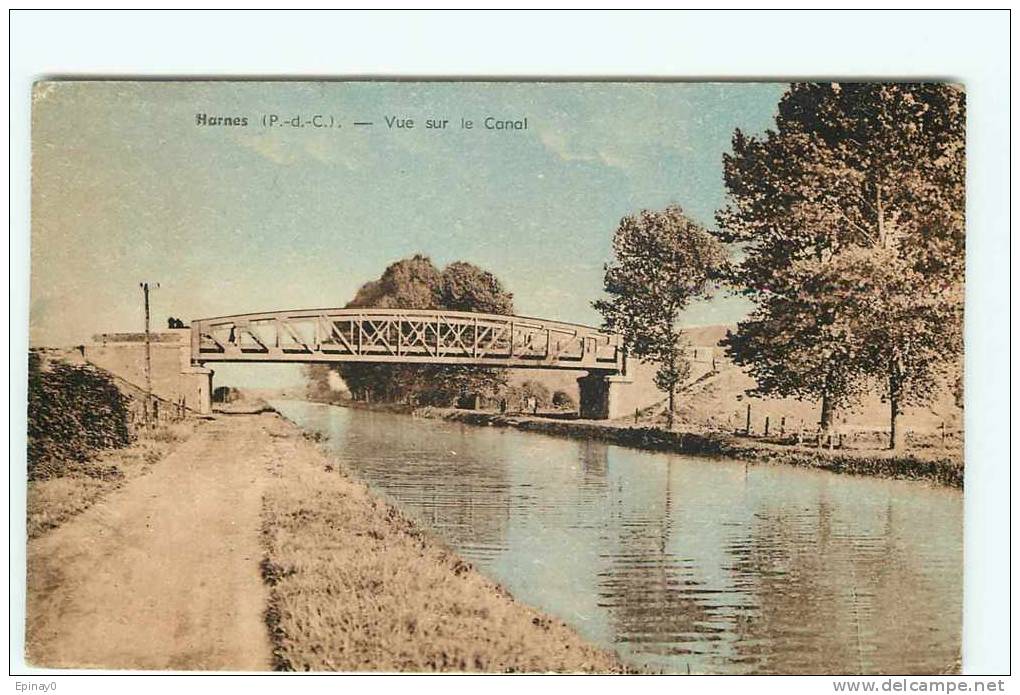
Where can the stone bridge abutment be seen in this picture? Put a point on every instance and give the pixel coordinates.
(175, 377)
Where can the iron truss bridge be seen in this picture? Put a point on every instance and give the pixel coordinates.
(405, 336)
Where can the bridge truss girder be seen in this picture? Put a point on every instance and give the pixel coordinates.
(405, 336)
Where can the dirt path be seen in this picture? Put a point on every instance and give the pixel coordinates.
(164, 573)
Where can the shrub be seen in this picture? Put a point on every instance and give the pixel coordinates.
(74, 411)
(563, 401)
(225, 394)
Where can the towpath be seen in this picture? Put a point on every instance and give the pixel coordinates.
(163, 573)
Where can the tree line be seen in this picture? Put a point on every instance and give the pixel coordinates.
(843, 226)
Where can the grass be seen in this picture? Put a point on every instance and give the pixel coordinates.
(943, 467)
(53, 501)
(355, 585)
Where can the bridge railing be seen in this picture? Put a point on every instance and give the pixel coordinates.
(405, 336)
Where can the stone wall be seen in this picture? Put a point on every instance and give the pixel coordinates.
(173, 376)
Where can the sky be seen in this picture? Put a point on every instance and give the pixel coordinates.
(127, 187)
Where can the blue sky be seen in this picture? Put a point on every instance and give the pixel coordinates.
(127, 188)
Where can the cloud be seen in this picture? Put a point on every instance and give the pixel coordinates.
(556, 142)
(575, 150)
(270, 147)
(615, 159)
(290, 148)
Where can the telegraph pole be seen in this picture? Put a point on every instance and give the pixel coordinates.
(148, 353)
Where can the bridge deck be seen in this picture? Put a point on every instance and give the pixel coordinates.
(405, 336)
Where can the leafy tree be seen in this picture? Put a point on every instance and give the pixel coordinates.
(662, 261)
(857, 182)
(226, 394)
(410, 283)
(318, 387)
(466, 287)
(416, 283)
(517, 397)
(798, 342)
(911, 334)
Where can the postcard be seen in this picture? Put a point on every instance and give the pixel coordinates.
(501, 377)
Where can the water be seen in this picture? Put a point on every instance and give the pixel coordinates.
(680, 563)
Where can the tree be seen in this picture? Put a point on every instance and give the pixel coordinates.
(466, 287)
(410, 283)
(320, 379)
(662, 260)
(797, 342)
(911, 334)
(416, 283)
(226, 394)
(857, 182)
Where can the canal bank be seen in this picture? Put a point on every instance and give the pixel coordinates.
(246, 548)
(933, 467)
(357, 585)
(680, 564)
(51, 502)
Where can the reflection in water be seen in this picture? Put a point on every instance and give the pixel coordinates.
(452, 487)
(678, 563)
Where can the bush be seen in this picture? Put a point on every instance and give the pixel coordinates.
(74, 411)
(563, 401)
(225, 394)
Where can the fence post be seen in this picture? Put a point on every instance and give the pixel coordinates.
(747, 423)
(782, 426)
(766, 425)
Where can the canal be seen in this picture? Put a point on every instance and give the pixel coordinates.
(679, 564)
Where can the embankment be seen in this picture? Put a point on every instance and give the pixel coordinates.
(82, 441)
(932, 467)
(355, 585)
(244, 548)
(53, 501)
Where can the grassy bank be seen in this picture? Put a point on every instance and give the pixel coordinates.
(355, 585)
(54, 500)
(921, 465)
(82, 443)
(375, 406)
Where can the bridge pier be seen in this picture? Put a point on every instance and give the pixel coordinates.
(200, 386)
(605, 396)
